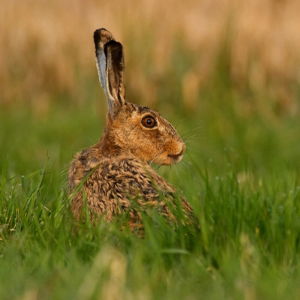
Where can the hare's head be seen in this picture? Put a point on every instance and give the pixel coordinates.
(132, 128)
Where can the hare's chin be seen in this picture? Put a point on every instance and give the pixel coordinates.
(172, 161)
(176, 159)
(169, 160)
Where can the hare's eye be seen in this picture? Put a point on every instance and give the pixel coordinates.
(149, 122)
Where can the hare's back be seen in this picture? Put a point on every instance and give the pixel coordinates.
(83, 163)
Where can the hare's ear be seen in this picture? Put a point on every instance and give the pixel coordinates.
(110, 65)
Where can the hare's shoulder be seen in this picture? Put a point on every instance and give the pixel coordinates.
(126, 170)
(133, 173)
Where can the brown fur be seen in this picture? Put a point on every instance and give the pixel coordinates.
(114, 176)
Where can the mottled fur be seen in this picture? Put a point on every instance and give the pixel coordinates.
(114, 176)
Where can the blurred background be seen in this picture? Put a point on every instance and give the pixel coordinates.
(226, 73)
(47, 50)
(231, 66)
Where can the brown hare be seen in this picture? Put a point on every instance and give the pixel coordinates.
(114, 176)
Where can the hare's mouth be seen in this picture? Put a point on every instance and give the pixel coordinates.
(176, 156)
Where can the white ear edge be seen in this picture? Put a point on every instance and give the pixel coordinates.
(103, 74)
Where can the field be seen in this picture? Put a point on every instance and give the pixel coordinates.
(236, 108)
(241, 175)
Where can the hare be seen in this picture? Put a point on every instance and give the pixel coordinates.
(114, 176)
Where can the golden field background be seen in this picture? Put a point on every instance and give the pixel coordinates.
(46, 48)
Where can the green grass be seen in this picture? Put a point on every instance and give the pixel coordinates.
(240, 174)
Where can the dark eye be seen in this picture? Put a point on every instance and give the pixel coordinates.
(149, 122)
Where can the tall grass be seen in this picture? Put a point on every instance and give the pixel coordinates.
(240, 174)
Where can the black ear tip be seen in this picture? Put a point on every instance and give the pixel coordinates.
(114, 47)
(97, 36)
(102, 35)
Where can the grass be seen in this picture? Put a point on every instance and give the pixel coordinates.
(240, 174)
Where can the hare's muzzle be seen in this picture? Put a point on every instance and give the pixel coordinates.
(177, 156)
